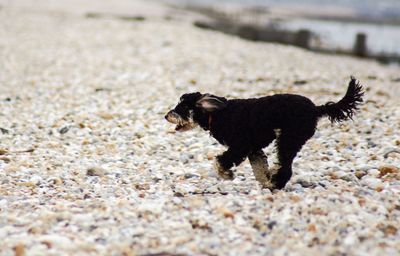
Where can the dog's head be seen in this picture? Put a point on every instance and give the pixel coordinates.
(193, 108)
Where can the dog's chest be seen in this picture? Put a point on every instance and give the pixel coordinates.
(225, 135)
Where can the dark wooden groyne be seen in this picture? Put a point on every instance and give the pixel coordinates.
(231, 24)
(253, 32)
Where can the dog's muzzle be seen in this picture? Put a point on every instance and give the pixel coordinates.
(181, 124)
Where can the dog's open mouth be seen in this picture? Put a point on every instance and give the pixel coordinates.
(183, 127)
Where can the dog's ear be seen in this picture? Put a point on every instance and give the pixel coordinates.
(211, 103)
(191, 96)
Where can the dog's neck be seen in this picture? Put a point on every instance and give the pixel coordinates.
(204, 120)
(209, 121)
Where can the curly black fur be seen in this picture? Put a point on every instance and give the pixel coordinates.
(344, 109)
(246, 126)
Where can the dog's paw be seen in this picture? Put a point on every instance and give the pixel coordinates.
(223, 173)
(267, 185)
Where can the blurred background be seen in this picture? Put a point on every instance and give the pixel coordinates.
(365, 28)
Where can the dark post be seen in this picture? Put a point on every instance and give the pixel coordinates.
(360, 45)
(302, 38)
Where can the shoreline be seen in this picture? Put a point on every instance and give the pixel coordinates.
(335, 12)
(275, 24)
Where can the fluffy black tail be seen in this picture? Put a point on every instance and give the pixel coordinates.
(345, 108)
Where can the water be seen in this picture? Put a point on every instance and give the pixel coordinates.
(341, 35)
(381, 38)
(370, 8)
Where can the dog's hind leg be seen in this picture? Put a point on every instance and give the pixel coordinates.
(231, 157)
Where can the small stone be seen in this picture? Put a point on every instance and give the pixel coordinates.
(64, 130)
(226, 212)
(4, 131)
(191, 175)
(260, 226)
(184, 158)
(384, 170)
(200, 224)
(324, 183)
(371, 182)
(272, 224)
(35, 230)
(55, 180)
(27, 184)
(359, 174)
(296, 187)
(337, 175)
(349, 177)
(11, 168)
(390, 230)
(105, 115)
(3, 151)
(5, 159)
(361, 201)
(158, 177)
(295, 198)
(36, 179)
(196, 145)
(144, 186)
(62, 242)
(305, 183)
(179, 194)
(390, 152)
(95, 171)
(19, 250)
(312, 228)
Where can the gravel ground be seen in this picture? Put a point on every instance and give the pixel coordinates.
(89, 166)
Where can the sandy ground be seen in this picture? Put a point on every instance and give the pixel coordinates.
(89, 166)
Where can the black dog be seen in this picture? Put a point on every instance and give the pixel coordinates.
(246, 126)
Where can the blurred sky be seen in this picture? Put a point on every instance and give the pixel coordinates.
(370, 8)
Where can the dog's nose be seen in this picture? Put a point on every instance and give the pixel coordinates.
(166, 116)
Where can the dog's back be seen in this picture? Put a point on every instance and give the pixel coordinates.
(279, 111)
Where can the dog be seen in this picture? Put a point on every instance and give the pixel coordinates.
(246, 126)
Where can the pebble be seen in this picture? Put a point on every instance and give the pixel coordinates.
(64, 130)
(96, 171)
(191, 175)
(305, 182)
(55, 180)
(19, 250)
(359, 174)
(373, 172)
(350, 177)
(372, 182)
(389, 169)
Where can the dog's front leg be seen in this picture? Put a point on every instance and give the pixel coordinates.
(224, 162)
(259, 163)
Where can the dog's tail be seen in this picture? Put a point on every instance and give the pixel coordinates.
(345, 108)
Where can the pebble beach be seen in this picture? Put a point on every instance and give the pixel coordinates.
(89, 165)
